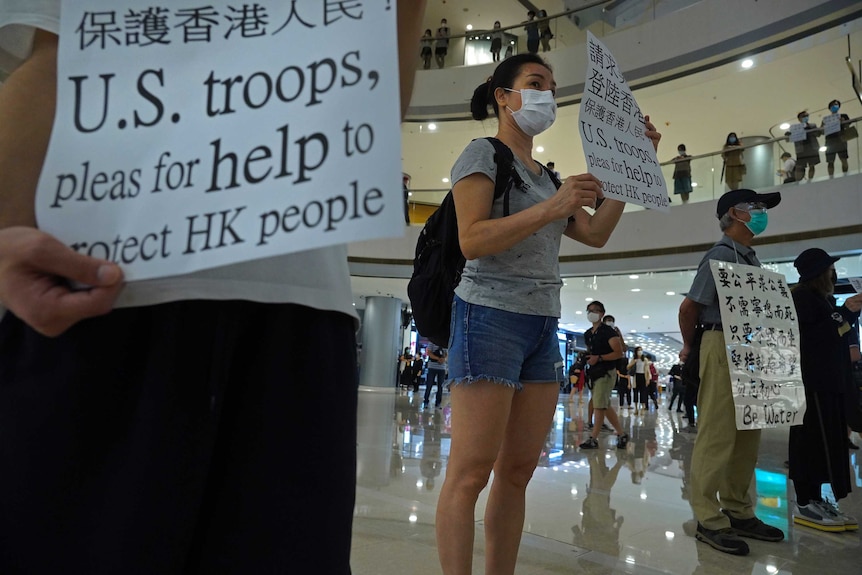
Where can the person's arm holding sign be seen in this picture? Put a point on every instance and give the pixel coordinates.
(37, 271)
(595, 230)
(35, 267)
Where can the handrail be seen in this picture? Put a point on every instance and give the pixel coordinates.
(522, 24)
(783, 138)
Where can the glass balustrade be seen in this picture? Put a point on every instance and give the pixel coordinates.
(762, 160)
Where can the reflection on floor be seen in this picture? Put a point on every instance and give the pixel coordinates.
(598, 512)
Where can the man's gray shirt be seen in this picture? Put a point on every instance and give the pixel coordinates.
(703, 287)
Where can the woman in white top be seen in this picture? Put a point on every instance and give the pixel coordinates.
(641, 364)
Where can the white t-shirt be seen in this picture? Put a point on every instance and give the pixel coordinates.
(317, 278)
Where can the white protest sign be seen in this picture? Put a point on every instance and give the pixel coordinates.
(612, 133)
(797, 133)
(856, 283)
(831, 124)
(761, 335)
(210, 133)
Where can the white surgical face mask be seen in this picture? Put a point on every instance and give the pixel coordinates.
(593, 317)
(538, 111)
(609, 323)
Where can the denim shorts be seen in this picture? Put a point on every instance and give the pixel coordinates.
(502, 346)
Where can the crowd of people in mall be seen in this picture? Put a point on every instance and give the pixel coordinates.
(156, 426)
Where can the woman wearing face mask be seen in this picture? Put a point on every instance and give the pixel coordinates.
(807, 150)
(640, 363)
(496, 42)
(835, 142)
(504, 358)
(682, 173)
(734, 161)
(818, 447)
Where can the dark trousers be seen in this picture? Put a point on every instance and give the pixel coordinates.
(437, 376)
(676, 393)
(690, 400)
(179, 438)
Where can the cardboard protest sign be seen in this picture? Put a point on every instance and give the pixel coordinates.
(197, 135)
(797, 133)
(761, 335)
(613, 135)
(831, 124)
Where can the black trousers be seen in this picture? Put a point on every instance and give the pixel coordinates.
(435, 376)
(191, 437)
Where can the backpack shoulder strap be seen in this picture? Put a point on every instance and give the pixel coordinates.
(552, 175)
(507, 176)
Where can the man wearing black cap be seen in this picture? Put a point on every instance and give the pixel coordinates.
(724, 458)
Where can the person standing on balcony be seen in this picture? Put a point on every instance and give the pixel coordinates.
(496, 42)
(425, 53)
(532, 29)
(836, 144)
(734, 161)
(682, 173)
(807, 150)
(546, 34)
(441, 48)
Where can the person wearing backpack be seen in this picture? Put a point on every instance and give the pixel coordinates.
(504, 358)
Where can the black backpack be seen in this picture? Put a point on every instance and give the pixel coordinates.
(439, 262)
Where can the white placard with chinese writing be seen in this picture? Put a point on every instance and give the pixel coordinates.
(761, 335)
(831, 124)
(612, 132)
(200, 134)
(797, 133)
(856, 283)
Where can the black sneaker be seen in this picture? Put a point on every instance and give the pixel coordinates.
(622, 441)
(590, 443)
(754, 528)
(724, 540)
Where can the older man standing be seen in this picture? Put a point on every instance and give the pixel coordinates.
(724, 457)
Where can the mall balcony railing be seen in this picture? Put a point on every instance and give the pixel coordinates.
(601, 17)
(762, 160)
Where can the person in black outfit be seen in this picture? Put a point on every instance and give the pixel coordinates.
(436, 373)
(807, 150)
(818, 447)
(417, 367)
(678, 387)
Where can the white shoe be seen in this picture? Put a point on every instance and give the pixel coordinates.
(813, 515)
(850, 522)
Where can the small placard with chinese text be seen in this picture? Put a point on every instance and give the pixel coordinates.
(761, 336)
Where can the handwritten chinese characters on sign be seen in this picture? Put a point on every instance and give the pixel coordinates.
(831, 124)
(761, 335)
(190, 136)
(612, 127)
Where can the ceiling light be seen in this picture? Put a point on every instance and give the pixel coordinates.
(469, 26)
(645, 316)
(633, 331)
(747, 63)
(694, 184)
(432, 126)
(636, 289)
(540, 149)
(634, 277)
(784, 126)
(670, 293)
(588, 299)
(822, 149)
(445, 180)
(579, 312)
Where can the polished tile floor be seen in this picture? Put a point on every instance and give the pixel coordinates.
(597, 512)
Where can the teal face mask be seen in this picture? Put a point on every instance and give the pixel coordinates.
(758, 222)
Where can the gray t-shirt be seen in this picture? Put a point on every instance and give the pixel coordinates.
(703, 288)
(526, 277)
